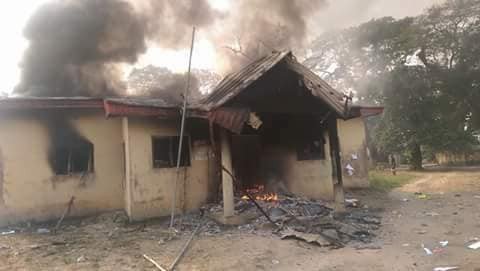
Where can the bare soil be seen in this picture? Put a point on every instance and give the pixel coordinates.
(450, 212)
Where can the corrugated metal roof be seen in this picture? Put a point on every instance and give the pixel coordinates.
(236, 82)
(144, 102)
(319, 87)
(141, 106)
(86, 102)
(50, 102)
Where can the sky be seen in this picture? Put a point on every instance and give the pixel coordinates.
(346, 13)
(353, 12)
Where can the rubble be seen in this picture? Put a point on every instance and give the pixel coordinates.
(312, 221)
(352, 202)
(43, 231)
(307, 237)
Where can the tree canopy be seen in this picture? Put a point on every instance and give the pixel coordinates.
(425, 70)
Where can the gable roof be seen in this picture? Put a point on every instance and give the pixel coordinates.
(234, 83)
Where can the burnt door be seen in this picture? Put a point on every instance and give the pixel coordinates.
(246, 159)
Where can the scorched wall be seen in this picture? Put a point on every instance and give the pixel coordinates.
(29, 188)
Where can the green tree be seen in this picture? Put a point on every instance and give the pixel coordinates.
(411, 114)
(450, 51)
(424, 70)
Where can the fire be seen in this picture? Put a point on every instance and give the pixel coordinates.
(267, 197)
(258, 193)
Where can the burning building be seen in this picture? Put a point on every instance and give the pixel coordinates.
(275, 125)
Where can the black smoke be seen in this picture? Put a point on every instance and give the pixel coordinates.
(261, 26)
(77, 46)
(74, 44)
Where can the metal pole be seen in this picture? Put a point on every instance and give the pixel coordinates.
(182, 130)
(180, 255)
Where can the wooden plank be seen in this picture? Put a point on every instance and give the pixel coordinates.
(158, 266)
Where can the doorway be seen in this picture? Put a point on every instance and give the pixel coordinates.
(246, 151)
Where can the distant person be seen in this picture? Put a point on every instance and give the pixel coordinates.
(393, 164)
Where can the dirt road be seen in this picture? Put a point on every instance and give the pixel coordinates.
(450, 212)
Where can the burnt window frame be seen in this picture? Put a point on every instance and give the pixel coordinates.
(173, 151)
(73, 152)
(309, 142)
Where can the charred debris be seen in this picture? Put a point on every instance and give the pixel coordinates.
(310, 221)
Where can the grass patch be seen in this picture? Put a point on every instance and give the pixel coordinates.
(385, 181)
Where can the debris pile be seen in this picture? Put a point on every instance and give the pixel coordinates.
(311, 221)
(289, 217)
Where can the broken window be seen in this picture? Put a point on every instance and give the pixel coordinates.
(73, 159)
(311, 149)
(165, 152)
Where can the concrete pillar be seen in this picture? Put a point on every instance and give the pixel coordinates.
(339, 198)
(128, 186)
(227, 182)
(336, 165)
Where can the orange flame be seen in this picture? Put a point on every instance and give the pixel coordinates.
(267, 197)
(258, 194)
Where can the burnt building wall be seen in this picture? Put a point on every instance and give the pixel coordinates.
(281, 169)
(293, 156)
(32, 190)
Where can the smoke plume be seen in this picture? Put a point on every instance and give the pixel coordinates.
(258, 27)
(79, 47)
(169, 22)
(73, 45)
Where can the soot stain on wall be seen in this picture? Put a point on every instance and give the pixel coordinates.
(70, 154)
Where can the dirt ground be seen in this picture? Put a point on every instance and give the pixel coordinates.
(448, 213)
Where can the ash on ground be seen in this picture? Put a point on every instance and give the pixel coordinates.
(311, 221)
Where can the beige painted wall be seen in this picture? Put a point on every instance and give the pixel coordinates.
(353, 152)
(124, 176)
(30, 191)
(312, 179)
(150, 190)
